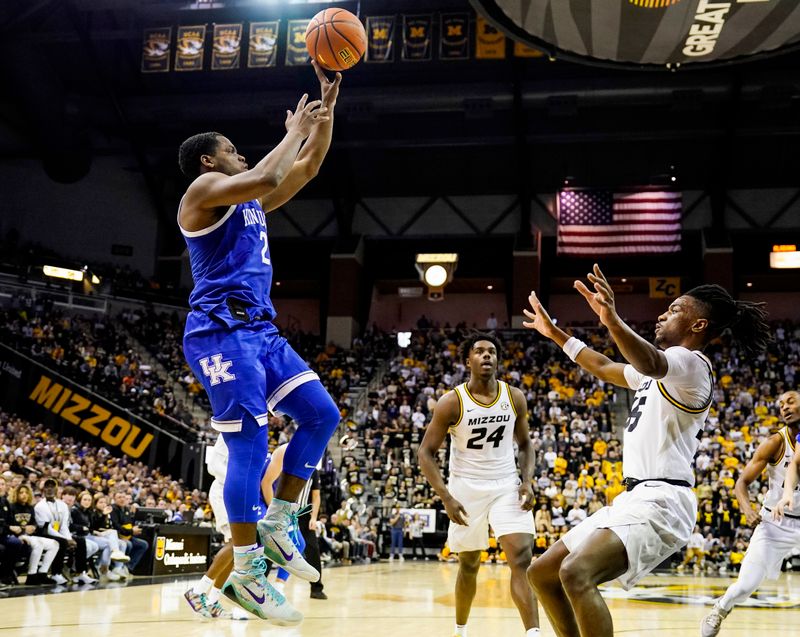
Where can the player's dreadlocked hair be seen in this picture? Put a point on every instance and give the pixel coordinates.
(192, 149)
(746, 321)
(473, 337)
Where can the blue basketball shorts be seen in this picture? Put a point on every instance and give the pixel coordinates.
(245, 369)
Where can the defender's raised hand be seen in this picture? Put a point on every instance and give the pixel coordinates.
(328, 90)
(600, 297)
(540, 319)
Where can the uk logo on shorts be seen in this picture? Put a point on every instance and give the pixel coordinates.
(217, 371)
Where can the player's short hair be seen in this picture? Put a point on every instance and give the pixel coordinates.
(746, 321)
(473, 337)
(193, 149)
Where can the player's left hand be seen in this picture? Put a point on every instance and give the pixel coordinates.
(778, 509)
(526, 496)
(329, 90)
(601, 300)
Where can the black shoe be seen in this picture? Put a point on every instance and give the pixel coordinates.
(45, 580)
(318, 594)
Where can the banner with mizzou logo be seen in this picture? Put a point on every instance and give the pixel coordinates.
(454, 36)
(417, 44)
(263, 47)
(380, 38)
(296, 51)
(156, 45)
(490, 43)
(190, 48)
(227, 51)
(649, 32)
(33, 391)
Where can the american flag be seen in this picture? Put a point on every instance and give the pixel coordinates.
(592, 222)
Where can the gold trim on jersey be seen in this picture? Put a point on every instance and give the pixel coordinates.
(451, 428)
(511, 398)
(790, 438)
(478, 402)
(782, 454)
(680, 405)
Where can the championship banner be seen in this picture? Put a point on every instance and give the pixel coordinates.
(35, 392)
(380, 38)
(524, 51)
(454, 36)
(490, 44)
(190, 48)
(227, 49)
(296, 51)
(417, 45)
(156, 45)
(262, 51)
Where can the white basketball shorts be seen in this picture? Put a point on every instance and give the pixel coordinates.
(772, 542)
(488, 502)
(217, 503)
(653, 521)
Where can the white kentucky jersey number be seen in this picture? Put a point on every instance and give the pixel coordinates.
(264, 258)
(218, 370)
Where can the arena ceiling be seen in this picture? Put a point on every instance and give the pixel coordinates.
(75, 91)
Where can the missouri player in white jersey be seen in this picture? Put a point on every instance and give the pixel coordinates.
(773, 539)
(484, 418)
(655, 516)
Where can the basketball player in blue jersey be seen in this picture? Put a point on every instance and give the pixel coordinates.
(235, 350)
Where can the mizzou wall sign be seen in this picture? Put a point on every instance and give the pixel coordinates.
(650, 32)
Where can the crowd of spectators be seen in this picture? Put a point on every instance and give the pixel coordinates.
(63, 502)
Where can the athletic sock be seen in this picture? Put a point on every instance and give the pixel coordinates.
(279, 507)
(214, 595)
(461, 631)
(533, 632)
(203, 585)
(240, 556)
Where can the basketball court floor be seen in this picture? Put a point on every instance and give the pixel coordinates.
(395, 599)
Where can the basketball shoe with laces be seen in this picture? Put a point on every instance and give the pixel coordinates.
(274, 531)
(713, 621)
(249, 589)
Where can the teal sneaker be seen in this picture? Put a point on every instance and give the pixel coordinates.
(275, 532)
(250, 590)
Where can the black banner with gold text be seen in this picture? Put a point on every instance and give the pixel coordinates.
(454, 36)
(296, 51)
(190, 48)
(227, 50)
(41, 395)
(262, 49)
(417, 37)
(380, 38)
(156, 45)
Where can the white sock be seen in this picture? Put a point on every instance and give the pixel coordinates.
(240, 555)
(461, 631)
(279, 507)
(203, 585)
(533, 632)
(214, 594)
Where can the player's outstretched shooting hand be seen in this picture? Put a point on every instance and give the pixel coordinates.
(329, 90)
(306, 116)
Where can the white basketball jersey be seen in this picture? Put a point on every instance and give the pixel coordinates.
(667, 416)
(482, 439)
(777, 475)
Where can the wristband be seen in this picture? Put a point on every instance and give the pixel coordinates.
(573, 347)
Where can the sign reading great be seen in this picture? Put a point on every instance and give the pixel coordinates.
(649, 32)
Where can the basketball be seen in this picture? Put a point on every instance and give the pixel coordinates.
(336, 39)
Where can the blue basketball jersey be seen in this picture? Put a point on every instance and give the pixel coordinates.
(230, 260)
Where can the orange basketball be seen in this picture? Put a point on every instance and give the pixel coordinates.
(336, 39)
